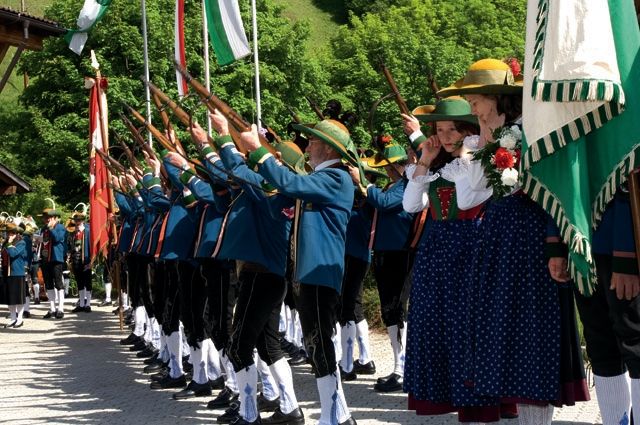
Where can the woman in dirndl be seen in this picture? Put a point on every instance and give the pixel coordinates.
(439, 300)
(14, 256)
(523, 346)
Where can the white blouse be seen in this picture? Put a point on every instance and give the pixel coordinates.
(461, 171)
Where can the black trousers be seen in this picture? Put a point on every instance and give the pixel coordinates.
(317, 307)
(171, 311)
(256, 319)
(52, 275)
(611, 326)
(391, 270)
(83, 277)
(132, 277)
(157, 278)
(221, 299)
(144, 283)
(351, 309)
(193, 300)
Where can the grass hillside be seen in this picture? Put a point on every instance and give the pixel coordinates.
(324, 15)
(15, 84)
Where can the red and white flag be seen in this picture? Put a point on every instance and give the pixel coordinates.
(179, 53)
(99, 179)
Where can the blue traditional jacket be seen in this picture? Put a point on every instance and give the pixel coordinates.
(322, 213)
(17, 255)
(391, 224)
(53, 244)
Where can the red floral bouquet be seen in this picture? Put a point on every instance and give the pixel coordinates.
(501, 159)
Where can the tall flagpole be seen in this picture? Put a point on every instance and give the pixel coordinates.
(256, 64)
(205, 41)
(145, 49)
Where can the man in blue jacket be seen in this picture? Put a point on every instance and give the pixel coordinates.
(52, 254)
(323, 207)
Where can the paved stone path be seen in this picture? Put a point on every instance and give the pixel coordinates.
(73, 371)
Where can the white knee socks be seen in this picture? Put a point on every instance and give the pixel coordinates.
(231, 381)
(52, 294)
(333, 406)
(398, 343)
(61, 300)
(348, 340)
(269, 385)
(213, 360)
(248, 383)
(81, 297)
(138, 320)
(107, 292)
(529, 414)
(281, 371)
(36, 291)
(174, 344)
(614, 398)
(362, 333)
(199, 364)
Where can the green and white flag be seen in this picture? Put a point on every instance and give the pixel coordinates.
(90, 14)
(581, 115)
(226, 30)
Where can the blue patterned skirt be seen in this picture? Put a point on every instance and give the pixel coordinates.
(515, 312)
(437, 328)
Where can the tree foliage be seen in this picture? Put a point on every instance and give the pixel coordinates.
(47, 134)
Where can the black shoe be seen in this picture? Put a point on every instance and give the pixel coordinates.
(147, 352)
(231, 414)
(223, 399)
(265, 405)
(299, 358)
(349, 421)
(293, 418)
(132, 339)
(77, 309)
(163, 373)
(193, 390)
(217, 384)
(26, 314)
(394, 383)
(10, 325)
(384, 378)
(59, 314)
(154, 367)
(18, 325)
(138, 346)
(115, 311)
(364, 369)
(186, 366)
(49, 315)
(152, 359)
(169, 382)
(86, 309)
(240, 421)
(348, 376)
(37, 301)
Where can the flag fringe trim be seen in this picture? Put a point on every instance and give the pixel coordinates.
(617, 177)
(568, 91)
(576, 241)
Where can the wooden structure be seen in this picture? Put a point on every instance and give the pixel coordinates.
(10, 183)
(24, 32)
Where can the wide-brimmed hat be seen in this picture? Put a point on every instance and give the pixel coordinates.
(293, 156)
(80, 214)
(10, 226)
(486, 76)
(450, 109)
(391, 152)
(336, 135)
(379, 172)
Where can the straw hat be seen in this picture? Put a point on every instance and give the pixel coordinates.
(486, 76)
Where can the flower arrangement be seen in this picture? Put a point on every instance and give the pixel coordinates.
(501, 159)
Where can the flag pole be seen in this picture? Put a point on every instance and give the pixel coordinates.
(145, 50)
(256, 63)
(207, 72)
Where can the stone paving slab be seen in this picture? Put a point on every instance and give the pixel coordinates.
(73, 371)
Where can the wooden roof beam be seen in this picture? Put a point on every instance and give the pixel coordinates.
(15, 36)
(12, 65)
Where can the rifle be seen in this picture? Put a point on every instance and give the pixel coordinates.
(294, 115)
(167, 126)
(315, 108)
(213, 102)
(135, 164)
(144, 145)
(114, 166)
(180, 113)
(402, 104)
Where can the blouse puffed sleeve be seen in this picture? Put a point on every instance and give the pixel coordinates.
(416, 194)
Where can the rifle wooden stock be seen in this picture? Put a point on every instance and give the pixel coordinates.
(294, 115)
(402, 104)
(180, 113)
(137, 138)
(112, 164)
(634, 198)
(213, 102)
(167, 125)
(315, 108)
(132, 159)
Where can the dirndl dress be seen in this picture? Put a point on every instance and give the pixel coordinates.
(515, 312)
(14, 290)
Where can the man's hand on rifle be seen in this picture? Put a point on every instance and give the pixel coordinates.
(410, 124)
(154, 164)
(219, 123)
(627, 286)
(177, 160)
(250, 139)
(198, 135)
